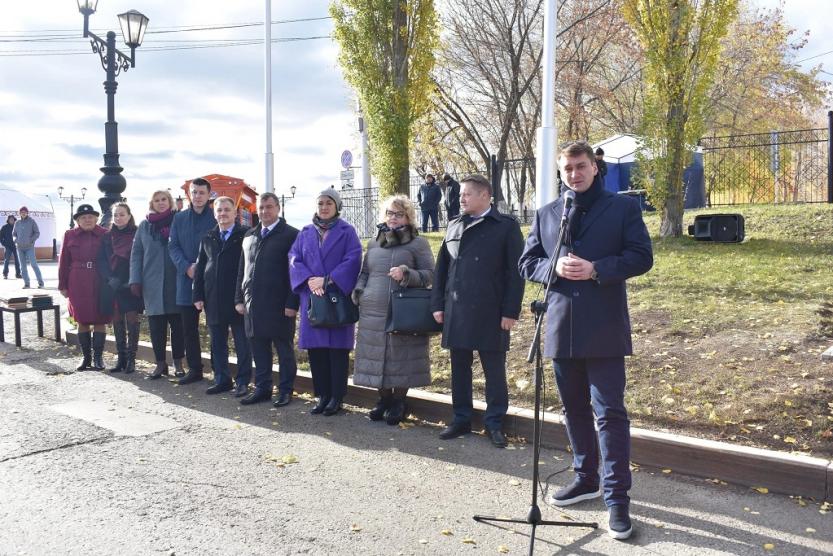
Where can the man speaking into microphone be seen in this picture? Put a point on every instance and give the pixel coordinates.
(588, 328)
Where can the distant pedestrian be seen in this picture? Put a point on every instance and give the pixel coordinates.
(153, 278)
(452, 197)
(9, 250)
(115, 297)
(188, 228)
(326, 254)
(600, 163)
(78, 281)
(429, 197)
(25, 234)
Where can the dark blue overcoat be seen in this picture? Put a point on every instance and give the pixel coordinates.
(589, 318)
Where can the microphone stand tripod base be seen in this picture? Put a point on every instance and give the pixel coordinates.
(539, 308)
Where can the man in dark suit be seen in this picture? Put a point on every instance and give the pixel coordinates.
(215, 285)
(477, 297)
(266, 300)
(588, 328)
(452, 197)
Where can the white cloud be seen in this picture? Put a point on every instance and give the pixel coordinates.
(181, 113)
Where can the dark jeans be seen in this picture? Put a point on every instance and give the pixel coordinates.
(219, 352)
(287, 367)
(434, 215)
(497, 393)
(329, 372)
(9, 254)
(158, 325)
(597, 386)
(191, 335)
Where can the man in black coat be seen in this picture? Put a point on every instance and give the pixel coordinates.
(265, 298)
(452, 197)
(215, 287)
(429, 198)
(477, 297)
(588, 328)
(10, 251)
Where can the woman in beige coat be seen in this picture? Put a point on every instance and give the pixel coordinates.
(397, 258)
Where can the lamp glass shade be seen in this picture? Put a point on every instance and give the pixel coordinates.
(293, 189)
(87, 6)
(133, 26)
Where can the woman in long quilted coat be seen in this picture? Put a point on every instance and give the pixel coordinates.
(392, 363)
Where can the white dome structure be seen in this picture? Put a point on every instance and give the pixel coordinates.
(40, 209)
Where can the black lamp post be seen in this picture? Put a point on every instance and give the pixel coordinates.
(133, 26)
(71, 200)
(292, 189)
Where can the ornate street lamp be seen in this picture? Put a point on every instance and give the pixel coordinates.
(133, 25)
(292, 189)
(71, 200)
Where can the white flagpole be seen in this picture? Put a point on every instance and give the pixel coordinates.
(547, 135)
(267, 78)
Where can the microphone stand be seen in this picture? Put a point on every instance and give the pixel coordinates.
(539, 308)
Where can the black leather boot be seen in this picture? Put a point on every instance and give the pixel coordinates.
(132, 346)
(98, 350)
(85, 343)
(378, 411)
(121, 346)
(160, 369)
(397, 411)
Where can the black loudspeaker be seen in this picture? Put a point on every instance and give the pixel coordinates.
(722, 228)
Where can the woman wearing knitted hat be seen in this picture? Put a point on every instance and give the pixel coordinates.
(326, 253)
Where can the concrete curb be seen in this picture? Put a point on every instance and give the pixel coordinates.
(754, 467)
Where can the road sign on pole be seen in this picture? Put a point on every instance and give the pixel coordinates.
(347, 177)
(346, 159)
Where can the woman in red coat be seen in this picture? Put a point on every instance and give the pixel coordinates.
(79, 282)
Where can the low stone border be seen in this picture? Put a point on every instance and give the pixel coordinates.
(754, 467)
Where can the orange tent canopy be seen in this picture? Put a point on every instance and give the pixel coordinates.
(244, 196)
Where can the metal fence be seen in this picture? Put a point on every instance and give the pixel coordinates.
(775, 167)
(361, 208)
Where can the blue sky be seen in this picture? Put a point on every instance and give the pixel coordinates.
(185, 113)
(181, 113)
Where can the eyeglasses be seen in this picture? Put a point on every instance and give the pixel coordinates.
(397, 214)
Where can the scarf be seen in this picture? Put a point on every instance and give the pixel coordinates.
(121, 239)
(581, 206)
(161, 223)
(324, 225)
(391, 237)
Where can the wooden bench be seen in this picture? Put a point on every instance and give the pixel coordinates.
(16, 311)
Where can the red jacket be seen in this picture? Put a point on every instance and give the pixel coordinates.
(78, 275)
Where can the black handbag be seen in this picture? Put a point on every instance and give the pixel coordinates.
(331, 310)
(410, 313)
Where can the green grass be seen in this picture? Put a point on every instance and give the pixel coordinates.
(727, 337)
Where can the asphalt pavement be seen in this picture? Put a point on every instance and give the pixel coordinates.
(98, 464)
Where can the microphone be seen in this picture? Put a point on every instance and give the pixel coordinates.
(569, 196)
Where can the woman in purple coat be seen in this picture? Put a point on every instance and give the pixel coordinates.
(79, 282)
(328, 251)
